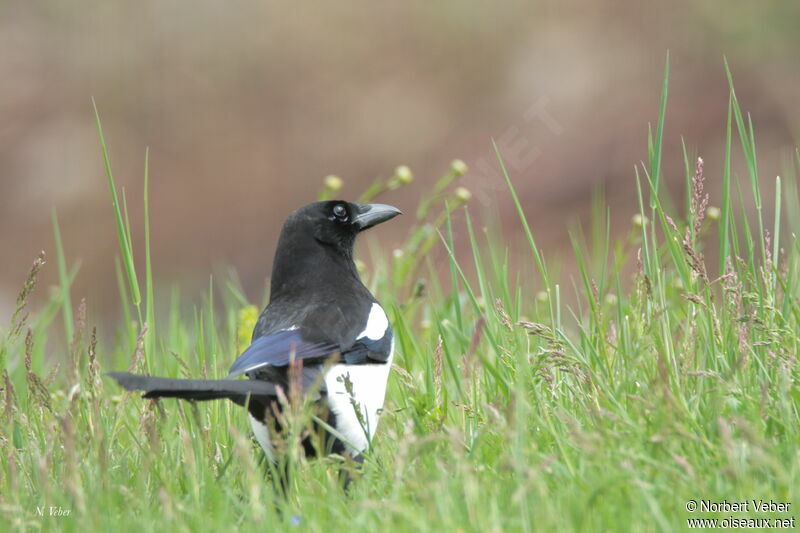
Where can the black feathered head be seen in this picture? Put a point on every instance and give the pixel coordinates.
(336, 222)
(316, 244)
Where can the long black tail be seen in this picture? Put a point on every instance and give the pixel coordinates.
(196, 389)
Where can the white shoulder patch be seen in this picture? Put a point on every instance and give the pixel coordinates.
(376, 323)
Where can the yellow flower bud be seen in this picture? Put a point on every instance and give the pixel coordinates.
(403, 175)
(333, 183)
(463, 194)
(458, 167)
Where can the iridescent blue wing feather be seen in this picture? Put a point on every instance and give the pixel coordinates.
(278, 349)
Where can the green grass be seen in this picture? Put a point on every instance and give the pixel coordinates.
(521, 401)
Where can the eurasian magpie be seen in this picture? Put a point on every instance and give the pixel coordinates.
(318, 310)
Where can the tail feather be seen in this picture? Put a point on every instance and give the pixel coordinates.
(196, 389)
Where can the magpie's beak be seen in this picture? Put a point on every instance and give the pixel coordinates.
(372, 214)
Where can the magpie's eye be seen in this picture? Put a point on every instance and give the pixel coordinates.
(340, 212)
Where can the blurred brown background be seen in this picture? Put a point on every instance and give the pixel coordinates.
(246, 105)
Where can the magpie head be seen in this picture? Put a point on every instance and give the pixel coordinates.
(337, 223)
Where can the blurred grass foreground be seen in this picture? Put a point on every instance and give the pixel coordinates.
(508, 409)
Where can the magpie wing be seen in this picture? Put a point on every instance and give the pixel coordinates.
(279, 349)
(367, 350)
(352, 325)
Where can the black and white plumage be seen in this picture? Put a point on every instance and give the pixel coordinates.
(318, 309)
